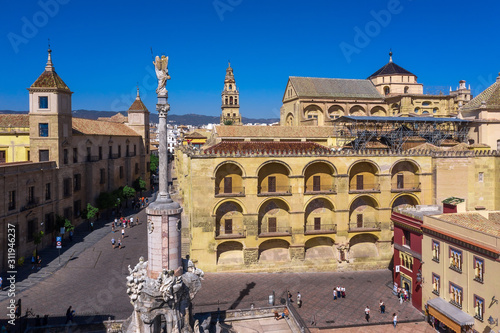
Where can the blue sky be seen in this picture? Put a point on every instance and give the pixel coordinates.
(101, 49)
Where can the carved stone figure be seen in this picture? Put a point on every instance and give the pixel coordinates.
(161, 69)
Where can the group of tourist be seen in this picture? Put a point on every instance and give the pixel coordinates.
(338, 292)
(141, 203)
(382, 310)
(402, 295)
(123, 223)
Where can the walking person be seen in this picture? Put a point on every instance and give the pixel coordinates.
(299, 299)
(123, 232)
(33, 261)
(113, 242)
(382, 307)
(338, 291)
(1, 282)
(334, 294)
(131, 222)
(119, 244)
(367, 313)
(289, 295)
(68, 315)
(395, 319)
(342, 291)
(38, 262)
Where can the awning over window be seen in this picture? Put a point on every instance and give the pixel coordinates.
(449, 314)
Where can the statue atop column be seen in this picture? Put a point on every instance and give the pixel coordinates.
(161, 69)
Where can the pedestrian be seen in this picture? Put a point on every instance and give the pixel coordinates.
(367, 313)
(116, 222)
(1, 282)
(342, 291)
(68, 315)
(71, 235)
(119, 244)
(299, 299)
(113, 242)
(18, 309)
(401, 298)
(395, 319)
(382, 307)
(113, 227)
(38, 262)
(338, 291)
(131, 221)
(137, 220)
(147, 201)
(334, 293)
(405, 292)
(123, 232)
(289, 296)
(33, 261)
(92, 226)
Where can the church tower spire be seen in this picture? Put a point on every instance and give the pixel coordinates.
(230, 100)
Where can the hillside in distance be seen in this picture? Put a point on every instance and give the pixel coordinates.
(174, 119)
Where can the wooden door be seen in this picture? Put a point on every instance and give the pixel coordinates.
(271, 184)
(316, 183)
(228, 226)
(400, 181)
(2, 156)
(272, 224)
(228, 185)
(359, 221)
(359, 182)
(317, 223)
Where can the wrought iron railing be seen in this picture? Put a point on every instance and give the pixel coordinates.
(320, 189)
(235, 192)
(30, 203)
(364, 187)
(223, 232)
(364, 226)
(407, 187)
(266, 190)
(275, 230)
(322, 228)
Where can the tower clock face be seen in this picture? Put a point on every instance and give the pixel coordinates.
(151, 226)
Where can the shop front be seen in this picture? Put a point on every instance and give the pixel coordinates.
(451, 316)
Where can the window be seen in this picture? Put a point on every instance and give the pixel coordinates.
(102, 176)
(478, 307)
(110, 152)
(387, 90)
(28, 155)
(480, 177)
(127, 150)
(12, 200)
(89, 154)
(31, 195)
(435, 283)
(456, 260)
(67, 187)
(400, 181)
(31, 231)
(65, 157)
(478, 269)
(43, 102)
(3, 156)
(43, 130)
(456, 295)
(136, 168)
(135, 150)
(119, 151)
(148, 167)
(43, 155)
(67, 213)
(406, 260)
(121, 172)
(416, 110)
(435, 251)
(75, 155)
(407, 238)
(47, 191)
(77, 206)
(100, 153)
(435, 110)
(49, 222)
(406, 90)
(77, 182)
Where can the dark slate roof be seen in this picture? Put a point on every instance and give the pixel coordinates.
(490, 95)
(334, 88)
(49, 79)
(399, 119)
(391, 69)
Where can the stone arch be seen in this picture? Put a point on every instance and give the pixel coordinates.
(289, 119)
(335, 111)
(319, 176)
(319, 215)
(320, 248)
(273, 178)
(406, 89)
(405, 199)
(230, 253)
(363, 210)
(357, 110)
(274, 250)
(234, 163)
(418, 168)
(274, 216)
(363, 246)
(234, 200)
(405, 175)
(375, 165)
(332, 166)
(313, 111)
(378, 111)
(363, 175)
(229, 218)
(274, 161)
(229, 178)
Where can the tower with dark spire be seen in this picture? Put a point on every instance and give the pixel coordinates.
(138, 120)
(230, 100)
(49, 116)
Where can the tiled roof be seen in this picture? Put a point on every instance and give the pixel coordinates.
(459, 147)
(271, 147)
(297, 132)
(138, 105)
(475, 221)
(96, 127)
(14, 120)
(490, 95)
(195, 135)
(426, 146)
(334, 88)
(453, 201)
(117, 118)
(50, 79)
(391, 69)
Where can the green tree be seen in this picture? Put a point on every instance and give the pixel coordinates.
(37, 239)
(139, 185)
(89, 212)
(128, 192)
(154, 163)
(68, 225)
(228, 122)
(105, 200)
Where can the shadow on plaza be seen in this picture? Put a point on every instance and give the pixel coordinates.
(81, 323)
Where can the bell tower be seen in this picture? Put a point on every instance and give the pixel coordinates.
(230, 100)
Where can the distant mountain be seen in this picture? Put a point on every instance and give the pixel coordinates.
(174, 119)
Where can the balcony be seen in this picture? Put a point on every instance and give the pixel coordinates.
(221, 192)
(364, 188)
(456, 267)
(365, 226)
(322, 189)
(407, 187)
(277, 190)
(275, 232)
(230, 233)
(314, 229)
(30, 204)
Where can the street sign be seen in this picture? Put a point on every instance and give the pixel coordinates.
(58, 242)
